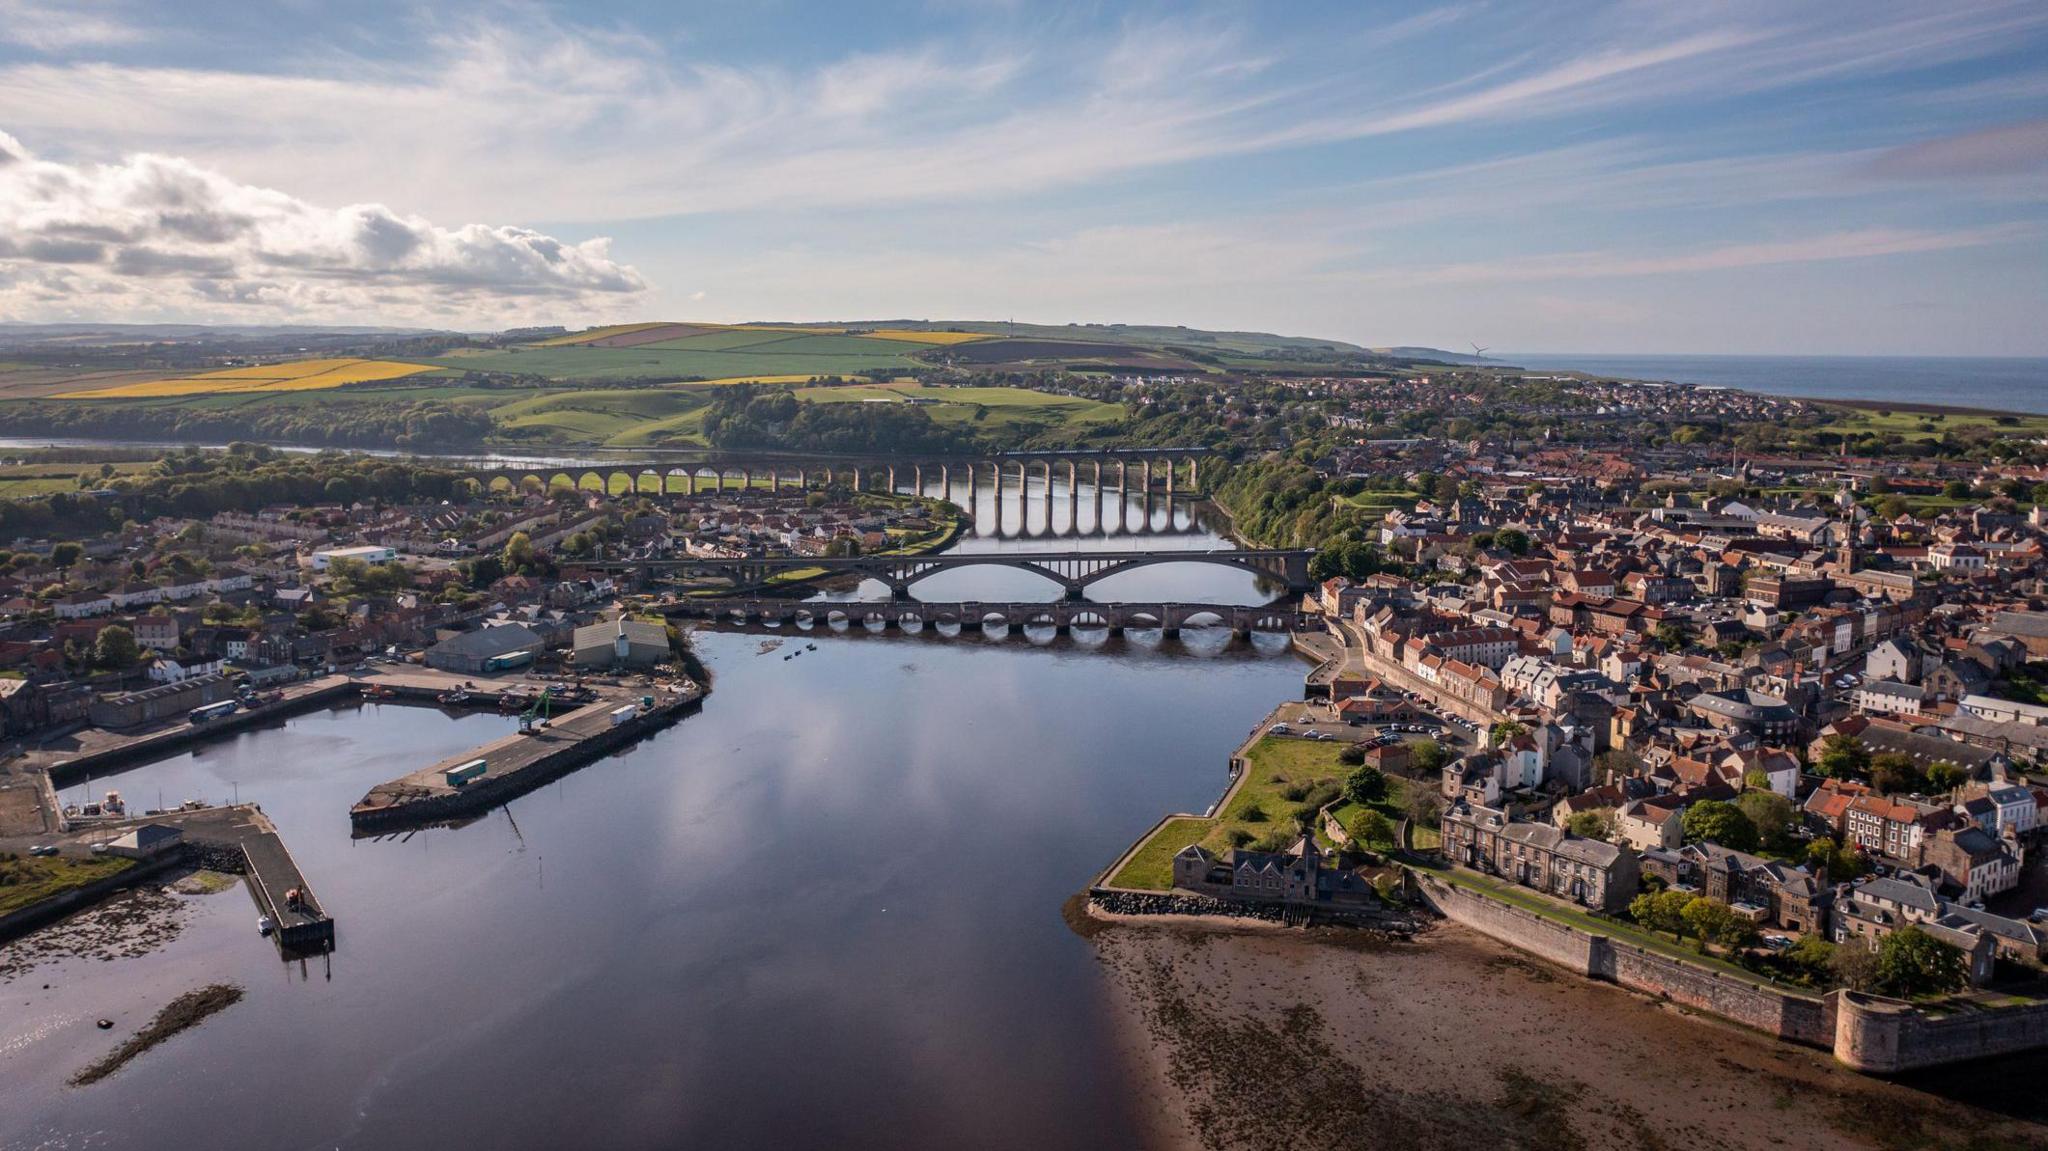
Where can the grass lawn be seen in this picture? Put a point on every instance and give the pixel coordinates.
(1260, 807)
(27, 880)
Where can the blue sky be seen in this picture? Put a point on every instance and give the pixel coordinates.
(1630, 177)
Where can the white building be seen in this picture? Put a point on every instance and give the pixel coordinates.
(367, 553)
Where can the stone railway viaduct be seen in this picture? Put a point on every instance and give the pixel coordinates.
(1176, 471)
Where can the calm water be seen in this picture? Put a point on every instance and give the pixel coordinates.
(1996, 383)
(825, 912)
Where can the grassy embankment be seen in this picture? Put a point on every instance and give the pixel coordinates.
(1282, 776)
(27, 880)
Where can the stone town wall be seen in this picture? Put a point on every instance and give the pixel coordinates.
(1865, 1032)
(1800, 1018)
(1884, 1036)
(1521, 929)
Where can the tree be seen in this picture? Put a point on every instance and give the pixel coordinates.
(1843, 757)
(115, 647)
(518, 553)
(1854, 966)
(1428, 756)
(1514, 540)
(1771, 815)
(66, 553)
(1714, 821)
(1661, 910)
(1912, 962)
(1420, 803)
(1712, 921)
(1945, 776)
(1372, 829)
(1812, 953)
(1895, 772)
(1366, 785)
(1672, 634)
(1595, 824)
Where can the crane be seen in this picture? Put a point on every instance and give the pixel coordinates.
(536, 717)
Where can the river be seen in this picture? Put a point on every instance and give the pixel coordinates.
(824, 912)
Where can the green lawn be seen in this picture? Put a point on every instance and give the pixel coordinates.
(1259, 807)
(27, 880)
(1857, 420)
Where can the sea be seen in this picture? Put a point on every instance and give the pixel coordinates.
(2003, 384)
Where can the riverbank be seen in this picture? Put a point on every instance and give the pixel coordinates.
(1259, 1038)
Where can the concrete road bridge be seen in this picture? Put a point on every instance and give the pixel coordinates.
(1074, 571)
(1175, 471)
(1061, 615)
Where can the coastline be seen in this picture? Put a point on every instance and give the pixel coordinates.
(1455, 1040)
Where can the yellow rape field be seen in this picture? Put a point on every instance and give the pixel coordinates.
(297, 376)
(947, 338)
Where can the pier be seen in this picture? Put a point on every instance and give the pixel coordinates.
(458, 788)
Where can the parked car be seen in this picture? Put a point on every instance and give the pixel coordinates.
(42, 849)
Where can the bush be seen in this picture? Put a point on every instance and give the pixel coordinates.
(1352, 756)
(1253, 813)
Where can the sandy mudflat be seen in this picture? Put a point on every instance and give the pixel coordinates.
(1258, 1039)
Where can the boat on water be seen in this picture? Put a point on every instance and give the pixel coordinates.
(457, 696)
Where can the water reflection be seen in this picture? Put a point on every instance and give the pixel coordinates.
(822, 913)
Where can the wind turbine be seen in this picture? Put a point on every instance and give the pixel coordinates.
(1479, 351)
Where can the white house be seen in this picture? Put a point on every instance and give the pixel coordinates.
(168, 670)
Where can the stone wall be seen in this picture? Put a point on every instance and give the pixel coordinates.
(1521, 929)
(1787, 1015)
(1883, 1036)
(1865, 1032)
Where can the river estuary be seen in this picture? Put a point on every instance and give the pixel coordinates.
(823, 912)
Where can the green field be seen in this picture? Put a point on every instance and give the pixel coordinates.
(983, 407)
(1259, 807)
(24, 480)
(1881, 421)
(777, 355)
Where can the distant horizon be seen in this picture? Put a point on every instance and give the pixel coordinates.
(1512, 174)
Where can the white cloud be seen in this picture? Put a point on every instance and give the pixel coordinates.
(537, 120)
(191, 240)
(54, 27)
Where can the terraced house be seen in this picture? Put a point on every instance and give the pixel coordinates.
(1537, 855)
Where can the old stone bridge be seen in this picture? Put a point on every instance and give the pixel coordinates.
(1123, 470)
(1061, 615)
(1073, 571)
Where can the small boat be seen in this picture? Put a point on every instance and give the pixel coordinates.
(264, 926)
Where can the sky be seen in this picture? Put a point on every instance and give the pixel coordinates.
(1689, 177)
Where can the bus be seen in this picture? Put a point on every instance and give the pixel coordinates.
(225, 707)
